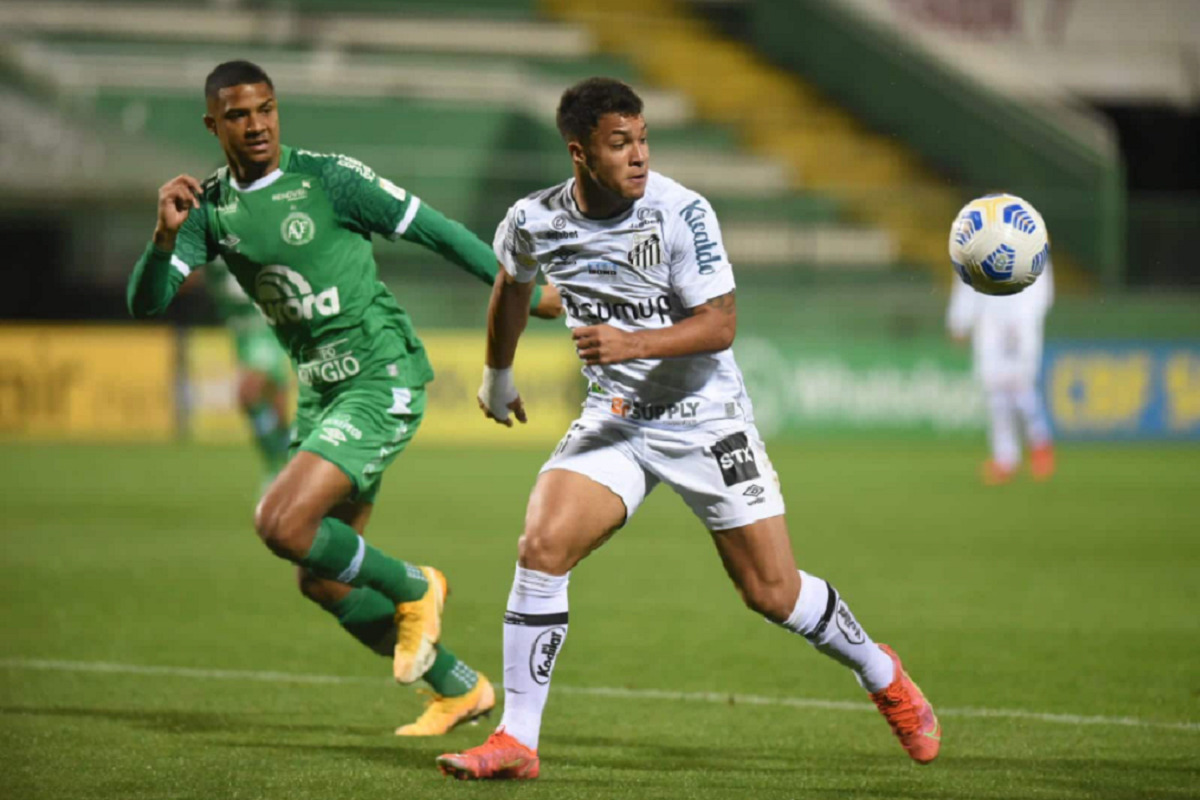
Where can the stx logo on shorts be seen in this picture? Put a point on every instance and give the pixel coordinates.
(544, 651)
(735, 458)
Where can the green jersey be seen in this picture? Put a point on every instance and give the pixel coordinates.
(298, 241)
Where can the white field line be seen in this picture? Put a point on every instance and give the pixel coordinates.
(49, 665)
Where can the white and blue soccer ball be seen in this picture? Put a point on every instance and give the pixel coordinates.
(998, 244)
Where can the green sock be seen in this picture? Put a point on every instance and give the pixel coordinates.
(338, 553)
(450, 677)
(270, 434)
(369, 617)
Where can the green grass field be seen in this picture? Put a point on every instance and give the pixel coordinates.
(152, 648)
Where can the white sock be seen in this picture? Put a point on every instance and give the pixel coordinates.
(822, 617)
(1002, 429)
(1037, 427)
(535, 627)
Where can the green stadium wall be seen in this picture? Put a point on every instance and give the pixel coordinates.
(985, 141)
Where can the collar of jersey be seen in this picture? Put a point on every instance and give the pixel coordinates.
(266, 180)
(573, 208)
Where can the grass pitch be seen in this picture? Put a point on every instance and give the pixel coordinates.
(152, 648)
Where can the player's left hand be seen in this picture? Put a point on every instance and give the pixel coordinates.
(550, 305)
(604, 344)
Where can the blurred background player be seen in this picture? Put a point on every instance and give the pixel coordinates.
(649, 294)
(294, 228)
(263, 369)
(1006, 335)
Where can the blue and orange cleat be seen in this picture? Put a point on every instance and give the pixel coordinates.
(909, 713)
(501, 757)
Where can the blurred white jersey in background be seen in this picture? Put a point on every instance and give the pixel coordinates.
(1006, 332)
(1006, 335)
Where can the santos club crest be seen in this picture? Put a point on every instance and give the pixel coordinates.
(646, 252)
(297, 228)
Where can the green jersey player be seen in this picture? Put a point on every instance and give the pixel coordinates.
(295, 229)
(263, 371)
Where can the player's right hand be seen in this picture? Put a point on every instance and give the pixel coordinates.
(176, 198)
(498, 396)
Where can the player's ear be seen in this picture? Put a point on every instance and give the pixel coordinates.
(211, 123)
(578, 153)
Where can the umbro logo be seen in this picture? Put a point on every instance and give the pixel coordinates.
(755, 493)
(230, 243)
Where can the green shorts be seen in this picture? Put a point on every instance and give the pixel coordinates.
(360, 430)
(258, 350)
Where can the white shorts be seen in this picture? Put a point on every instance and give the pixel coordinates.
(720, 469)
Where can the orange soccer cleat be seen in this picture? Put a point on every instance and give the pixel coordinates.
(1041, 462)
(909, 713)
(995, 475)
(501, 757)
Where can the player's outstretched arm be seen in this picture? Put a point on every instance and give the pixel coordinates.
(508, 311)
(159, 272)
(710, 329)
(454, 242)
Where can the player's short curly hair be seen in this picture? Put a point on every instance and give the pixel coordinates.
(582, 106)
(234, 73)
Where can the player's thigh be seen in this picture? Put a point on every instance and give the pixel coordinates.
(303, 493)
(569, 515)
(758, 559)
(591, 484)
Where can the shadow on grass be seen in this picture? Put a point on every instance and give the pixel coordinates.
(185, 722)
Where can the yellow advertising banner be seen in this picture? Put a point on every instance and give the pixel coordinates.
(213, 415)
(547, 375)
(87, 382)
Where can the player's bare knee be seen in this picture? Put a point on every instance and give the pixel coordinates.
(309, 584)
(775, 601)
(286, 533)
(541, 550)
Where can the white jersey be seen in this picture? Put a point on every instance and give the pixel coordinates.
(1006, 331)
(640, 271)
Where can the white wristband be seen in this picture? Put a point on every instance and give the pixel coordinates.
(497, 391)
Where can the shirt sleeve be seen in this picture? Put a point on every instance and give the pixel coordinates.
(157, 275)
(700, 268)
(369, 202)
(514, 246)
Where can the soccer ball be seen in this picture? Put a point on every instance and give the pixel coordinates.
(998, 244)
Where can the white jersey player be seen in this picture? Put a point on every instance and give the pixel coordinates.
(1006, 334)
(649, 294)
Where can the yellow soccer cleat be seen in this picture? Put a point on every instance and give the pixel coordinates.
(418, 629)
(443, 714)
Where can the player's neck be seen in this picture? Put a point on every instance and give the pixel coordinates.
(246, 174)
(596, 202)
